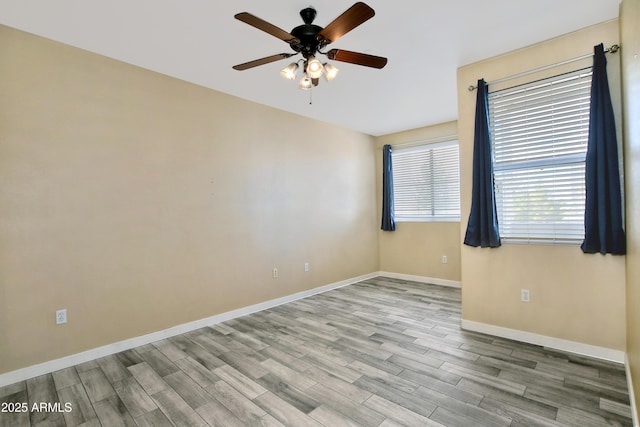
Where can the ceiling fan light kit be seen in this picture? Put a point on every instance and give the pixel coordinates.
(309, 40)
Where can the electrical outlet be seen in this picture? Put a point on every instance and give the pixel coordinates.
(275, 272)
(306, 267)
(525, 295)
(444, 259)
(61, 316)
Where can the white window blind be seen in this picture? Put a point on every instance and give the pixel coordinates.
(426, 182)
(539, 135)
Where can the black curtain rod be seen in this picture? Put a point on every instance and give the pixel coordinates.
(613, 49)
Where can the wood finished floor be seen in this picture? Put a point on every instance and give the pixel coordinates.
(382, 352)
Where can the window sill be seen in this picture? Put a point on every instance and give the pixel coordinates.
(544, 242)
(409, 220)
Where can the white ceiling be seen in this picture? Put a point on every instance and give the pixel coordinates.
(425, 41)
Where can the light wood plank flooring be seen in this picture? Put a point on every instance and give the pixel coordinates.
(382, 352)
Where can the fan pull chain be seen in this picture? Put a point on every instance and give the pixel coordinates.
(311, 95)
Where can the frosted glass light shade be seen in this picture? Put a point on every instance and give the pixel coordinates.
(289, 72)
(314, 68)
(305, 82)
(330, 72)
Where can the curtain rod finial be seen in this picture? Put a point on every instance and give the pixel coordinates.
(614, 48)
(472, 88)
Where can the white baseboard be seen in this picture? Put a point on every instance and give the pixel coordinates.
(632, 396)
(106, 350)
(432, 280)
(603, 353)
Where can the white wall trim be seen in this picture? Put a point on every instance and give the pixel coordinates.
(106, 350)
(603, 353)
(632, 397)
(432, 280)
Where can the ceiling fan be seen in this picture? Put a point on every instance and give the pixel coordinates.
(309, 40)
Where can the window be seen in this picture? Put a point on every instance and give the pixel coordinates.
(539, 135)
(426, 182)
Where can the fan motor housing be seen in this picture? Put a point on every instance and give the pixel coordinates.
(308, 36)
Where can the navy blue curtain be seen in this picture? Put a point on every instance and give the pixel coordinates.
(603, 205)
(388, 222)
(482, 228)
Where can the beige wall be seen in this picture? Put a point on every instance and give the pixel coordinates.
(574, 296)
(630, 40)
(140, 202)
(416, 248)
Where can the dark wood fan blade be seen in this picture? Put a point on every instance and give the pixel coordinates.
(265, 26)
(262, 61)
(350, 19)
(357, 58)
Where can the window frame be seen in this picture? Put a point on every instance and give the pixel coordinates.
(430, 147)
(571, 231)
